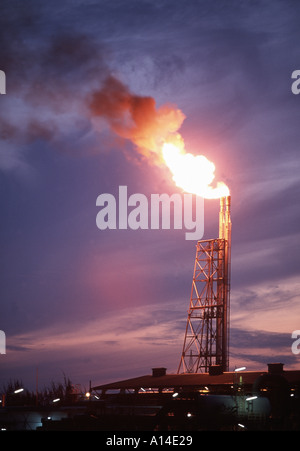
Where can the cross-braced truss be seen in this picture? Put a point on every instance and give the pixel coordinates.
(206, 336)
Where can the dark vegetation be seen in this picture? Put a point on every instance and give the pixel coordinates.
(64, 391)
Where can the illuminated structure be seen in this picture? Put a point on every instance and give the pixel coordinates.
(206, 341)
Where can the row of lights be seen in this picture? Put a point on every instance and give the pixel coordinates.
(19, 390)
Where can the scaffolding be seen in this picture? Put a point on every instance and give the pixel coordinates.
(206, 341)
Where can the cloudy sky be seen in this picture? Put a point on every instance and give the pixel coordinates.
(103, 305)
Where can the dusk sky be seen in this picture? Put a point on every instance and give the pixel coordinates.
(103, 305)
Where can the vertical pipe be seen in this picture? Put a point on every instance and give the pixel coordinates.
(221, 217)
(220, 287)
(227, 231)
(227, 236)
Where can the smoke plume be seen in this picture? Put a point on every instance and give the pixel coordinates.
(66, 82)
(136, 117)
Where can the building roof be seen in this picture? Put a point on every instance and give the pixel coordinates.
(161, 380)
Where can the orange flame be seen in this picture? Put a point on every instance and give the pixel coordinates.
(136, 118)
(194, 174)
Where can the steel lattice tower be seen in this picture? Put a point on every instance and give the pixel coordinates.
(206, 340)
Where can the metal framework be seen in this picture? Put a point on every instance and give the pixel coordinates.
(206, 341)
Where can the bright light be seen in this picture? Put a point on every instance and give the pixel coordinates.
(242, 368)
(56, 400)
(241, 425)
(251, 398)
(194, 174)
(19, 390)
(175, 395)
(87, 395)
(189, 414)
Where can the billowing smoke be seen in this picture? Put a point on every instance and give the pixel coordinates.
(67, 82)
(136, 117)
(45, 100)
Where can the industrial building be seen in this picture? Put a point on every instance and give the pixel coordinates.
(217, 400)
(239, 400)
